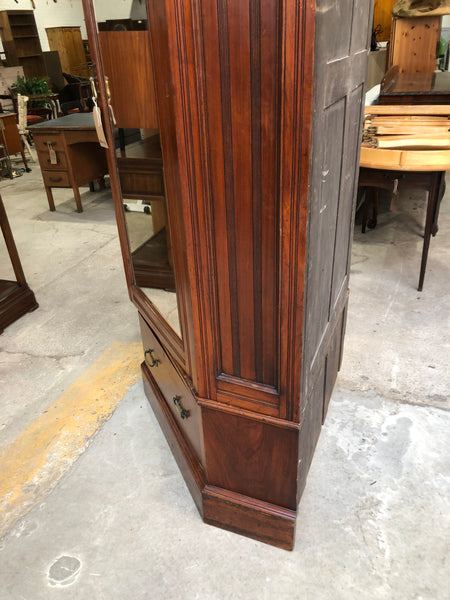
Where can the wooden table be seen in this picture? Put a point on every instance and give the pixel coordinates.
(69, 154)
(432, 182)
(415, 88)
(405, 168)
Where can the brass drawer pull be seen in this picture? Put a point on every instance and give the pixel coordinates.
(56, 179)
(184, 414)
(155, 361)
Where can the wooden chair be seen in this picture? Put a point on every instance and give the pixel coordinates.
(22, 124)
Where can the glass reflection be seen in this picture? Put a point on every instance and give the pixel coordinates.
(126, 56)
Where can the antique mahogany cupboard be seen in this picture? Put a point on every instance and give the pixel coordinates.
(249, 171)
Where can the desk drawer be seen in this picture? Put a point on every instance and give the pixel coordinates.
(56, 179)
(176, 392)
(44, 145)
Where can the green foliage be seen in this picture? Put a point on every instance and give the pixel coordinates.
(30, 86)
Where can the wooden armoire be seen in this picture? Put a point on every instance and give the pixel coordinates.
(259, 105)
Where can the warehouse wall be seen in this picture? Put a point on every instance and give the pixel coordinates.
(61, 13)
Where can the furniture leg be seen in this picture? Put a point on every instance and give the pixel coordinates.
(441, 193)
(26, 144)
(51, 202)
(374, 201)
(76, 193)
(121, 141)
(432, 205)
(371, 197)
(27, 168)
(91, 186)
(361, 205)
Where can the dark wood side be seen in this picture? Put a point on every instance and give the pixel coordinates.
(252, 457)
(241, 85)
(340, 69)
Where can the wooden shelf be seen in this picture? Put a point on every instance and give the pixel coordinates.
(21, 43)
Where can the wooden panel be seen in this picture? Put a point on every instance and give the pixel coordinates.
(413, 44)
(243, 109)
(69, 45)
(339, 94)
(250, 457)
(382, 16)
(11, 133)
(128, 65)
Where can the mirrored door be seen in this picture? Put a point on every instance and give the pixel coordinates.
(127, 66)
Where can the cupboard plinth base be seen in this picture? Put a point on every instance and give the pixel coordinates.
(253, 518)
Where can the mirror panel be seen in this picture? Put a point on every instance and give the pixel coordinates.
(127, 65)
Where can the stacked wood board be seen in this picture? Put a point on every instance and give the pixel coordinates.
(410, 138)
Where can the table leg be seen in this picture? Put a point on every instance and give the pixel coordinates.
(76, 193)
(434, 195)
(51, 202)
(441, 193)
(91, 186)
(27, 168)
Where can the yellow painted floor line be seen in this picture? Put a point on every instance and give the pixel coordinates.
(45, 450)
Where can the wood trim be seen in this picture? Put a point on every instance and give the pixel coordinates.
(296, 111)
(247, 394)
(249, 517)
(252, 416)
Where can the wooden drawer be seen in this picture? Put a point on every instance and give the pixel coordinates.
(56, 178)
(140, 178)
(56, 143)
(41, 141)
(178, 397)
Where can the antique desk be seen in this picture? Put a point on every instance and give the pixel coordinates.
(415, 88)
(69, 154)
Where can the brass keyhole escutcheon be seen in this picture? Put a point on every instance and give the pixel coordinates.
(155, 361)
(184, 414)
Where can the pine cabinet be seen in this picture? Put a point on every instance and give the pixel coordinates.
(69, 45)
(259, 112)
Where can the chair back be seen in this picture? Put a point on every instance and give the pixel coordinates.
(22, 113)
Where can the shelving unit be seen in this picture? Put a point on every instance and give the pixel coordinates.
(21, 42)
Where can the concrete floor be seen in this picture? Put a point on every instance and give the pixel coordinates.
(374, 519)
